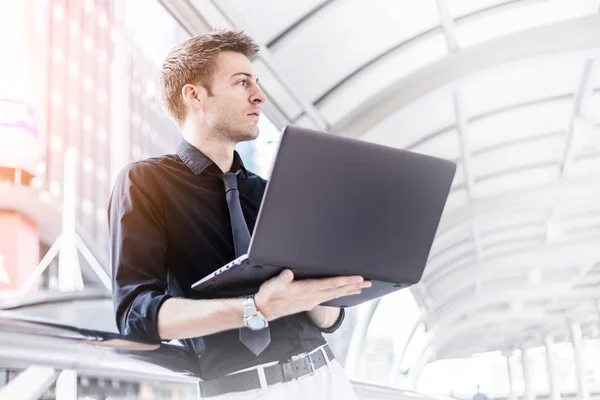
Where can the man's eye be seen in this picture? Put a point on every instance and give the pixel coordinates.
(242, 82)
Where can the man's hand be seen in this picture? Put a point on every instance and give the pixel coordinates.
(281, 296)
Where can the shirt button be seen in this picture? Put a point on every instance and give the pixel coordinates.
(295, 342)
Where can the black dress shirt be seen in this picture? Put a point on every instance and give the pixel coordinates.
(169, 227)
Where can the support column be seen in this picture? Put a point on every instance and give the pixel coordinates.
(396, 369)
(578, 355)
(365, 315)
(66, 385)
(428, 355)
(509, 372)
(528, 395)
(551, 362)
(69, 270)
(29, 384)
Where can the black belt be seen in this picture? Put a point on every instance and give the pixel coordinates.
(295, 368)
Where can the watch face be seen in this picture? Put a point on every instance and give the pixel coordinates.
(256, 322)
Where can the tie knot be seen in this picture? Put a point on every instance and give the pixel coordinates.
(230, 181)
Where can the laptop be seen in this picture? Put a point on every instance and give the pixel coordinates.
(336, 206)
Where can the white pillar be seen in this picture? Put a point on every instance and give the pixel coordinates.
(69, 270)
(578, 355)
(365, 315)
(396, 369)
(428, 354)
(509, 372)
(551, 361)
(66, 385)
(29, 384)
(528, 395)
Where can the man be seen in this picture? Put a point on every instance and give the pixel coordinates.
(173, 221)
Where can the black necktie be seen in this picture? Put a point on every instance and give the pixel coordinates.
(256, 341)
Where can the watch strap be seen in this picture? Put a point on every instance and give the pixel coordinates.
(249, 306)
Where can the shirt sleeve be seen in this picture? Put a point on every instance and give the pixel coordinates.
(138, 247)
(337, 323)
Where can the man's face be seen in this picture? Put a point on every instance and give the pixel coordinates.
(232, 109)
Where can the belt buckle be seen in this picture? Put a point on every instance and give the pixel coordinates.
(312, 368)
(310, 363)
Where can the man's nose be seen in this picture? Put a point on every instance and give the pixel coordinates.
(258, 97)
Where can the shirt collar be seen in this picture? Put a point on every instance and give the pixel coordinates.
(198, 162)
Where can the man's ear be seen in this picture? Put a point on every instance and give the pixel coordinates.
(194, 96)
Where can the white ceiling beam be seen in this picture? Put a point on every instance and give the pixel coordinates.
(422, 296)
(479, 273)
(573, 282)
(450, 296)
(476, 236)
(482, 333)
(448, 332)
(574, 34)
(584, 93)
(520, 295)
(448, 26)
(187, 16)
(460, 114)
(546, 257)
(465, 151)
(552, 226)
(506, 296)
(584, 191)
(557, 255)
(424, 301)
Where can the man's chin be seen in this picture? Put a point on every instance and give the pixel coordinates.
(248, 135)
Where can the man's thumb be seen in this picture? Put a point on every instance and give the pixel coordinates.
(286, 275)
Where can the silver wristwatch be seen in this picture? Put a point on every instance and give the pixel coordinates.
(253, 319)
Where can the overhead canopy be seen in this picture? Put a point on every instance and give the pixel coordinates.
(509, 90)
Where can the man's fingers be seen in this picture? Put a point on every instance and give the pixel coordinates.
(333, 293)
(332, 283)
(341, 281)
(317, 286)
(336, 294)
(345, 290)
(351, 287)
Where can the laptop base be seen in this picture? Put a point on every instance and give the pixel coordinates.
(242, 277)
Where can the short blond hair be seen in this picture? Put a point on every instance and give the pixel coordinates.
(193, 62)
